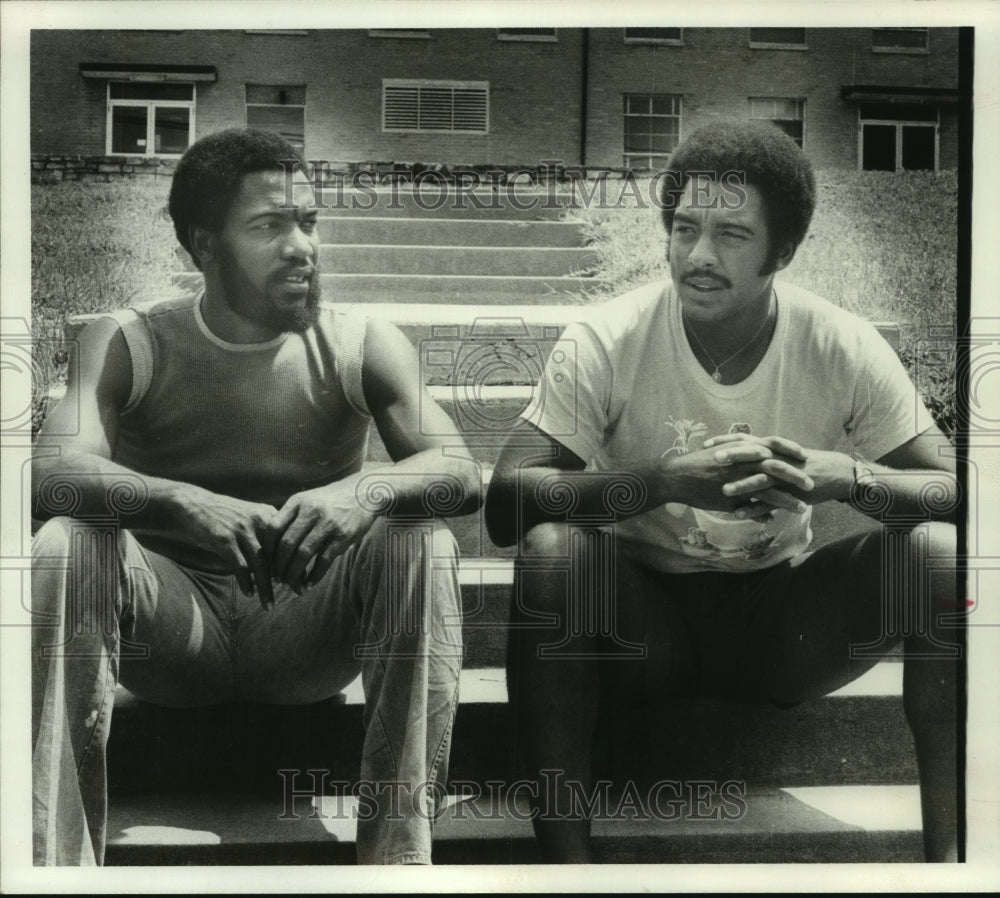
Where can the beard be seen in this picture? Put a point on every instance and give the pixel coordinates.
(295, 319)
(299, 319)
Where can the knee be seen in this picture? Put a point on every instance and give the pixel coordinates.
(65, 537)
(942, 540)
(426, 551)
(545, 540)
(50, 551)
(82, 557)
(53, 539)
(541, 575)
(434, 540)
(538, 586)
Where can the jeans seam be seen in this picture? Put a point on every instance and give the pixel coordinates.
(377, 719)
(376, 715)
(445, 737)
(86, 747)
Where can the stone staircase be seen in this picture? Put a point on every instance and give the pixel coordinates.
(483, 294)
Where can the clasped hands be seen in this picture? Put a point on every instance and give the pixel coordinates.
(751, 476)
(258, 543)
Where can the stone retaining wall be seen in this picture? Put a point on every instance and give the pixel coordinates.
(50, 168)
(47, 169)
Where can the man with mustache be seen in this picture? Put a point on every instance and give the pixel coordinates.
(251, 558)
(661, 504)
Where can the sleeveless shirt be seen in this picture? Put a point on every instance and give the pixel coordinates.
(259, 421)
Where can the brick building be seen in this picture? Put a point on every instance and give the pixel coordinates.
(883, 98)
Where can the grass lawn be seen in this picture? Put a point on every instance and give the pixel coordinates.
(881, 245)
(94, 246)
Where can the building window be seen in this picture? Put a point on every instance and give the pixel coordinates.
(778, 38)
(445, 107)
(898, 137)
(900, 40)
(652, 129)
(416, 33)
(149, 119)
(526, 34)
(280, 109)
(671, 36)
(786, 114)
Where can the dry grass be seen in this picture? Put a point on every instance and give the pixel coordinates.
(94, 247)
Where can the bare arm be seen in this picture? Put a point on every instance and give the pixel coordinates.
(425, 445)
(73, 472)
(432, 474)
(72, 458)
(920, 476)
(915, 479)
(534, 470)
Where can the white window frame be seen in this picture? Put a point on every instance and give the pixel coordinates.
(913, 51)
(413, 34)
(529, 38)
(772, 45)
(247, 104)
(900, 124)
(627, 156)
(655, 41)
(434, 83)
(150, 107)
(782, 118)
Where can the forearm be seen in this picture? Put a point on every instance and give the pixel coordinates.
(86, 485)
(430, 483)
(888, 493)
(522, 498)
(878, 490)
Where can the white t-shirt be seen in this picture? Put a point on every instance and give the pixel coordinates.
(624, 385)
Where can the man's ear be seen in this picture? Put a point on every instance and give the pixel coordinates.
(202, 243)
(785, 256)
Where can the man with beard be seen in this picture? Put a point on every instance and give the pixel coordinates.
(251, 560)
(665, 492)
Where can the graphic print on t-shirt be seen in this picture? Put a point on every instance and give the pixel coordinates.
(716, 534)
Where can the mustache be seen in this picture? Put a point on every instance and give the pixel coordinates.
(707, 276)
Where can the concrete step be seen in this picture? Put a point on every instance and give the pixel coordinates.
(440, 231)
(856, 736)
(876, 824)
(458, 260)
(432, 201)
(425, 288)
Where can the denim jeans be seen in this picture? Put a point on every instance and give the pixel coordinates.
(107, 609)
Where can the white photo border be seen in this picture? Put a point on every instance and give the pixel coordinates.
(981, 872)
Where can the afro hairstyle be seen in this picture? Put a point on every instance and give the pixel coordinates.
(763, 156)
(209, 174)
